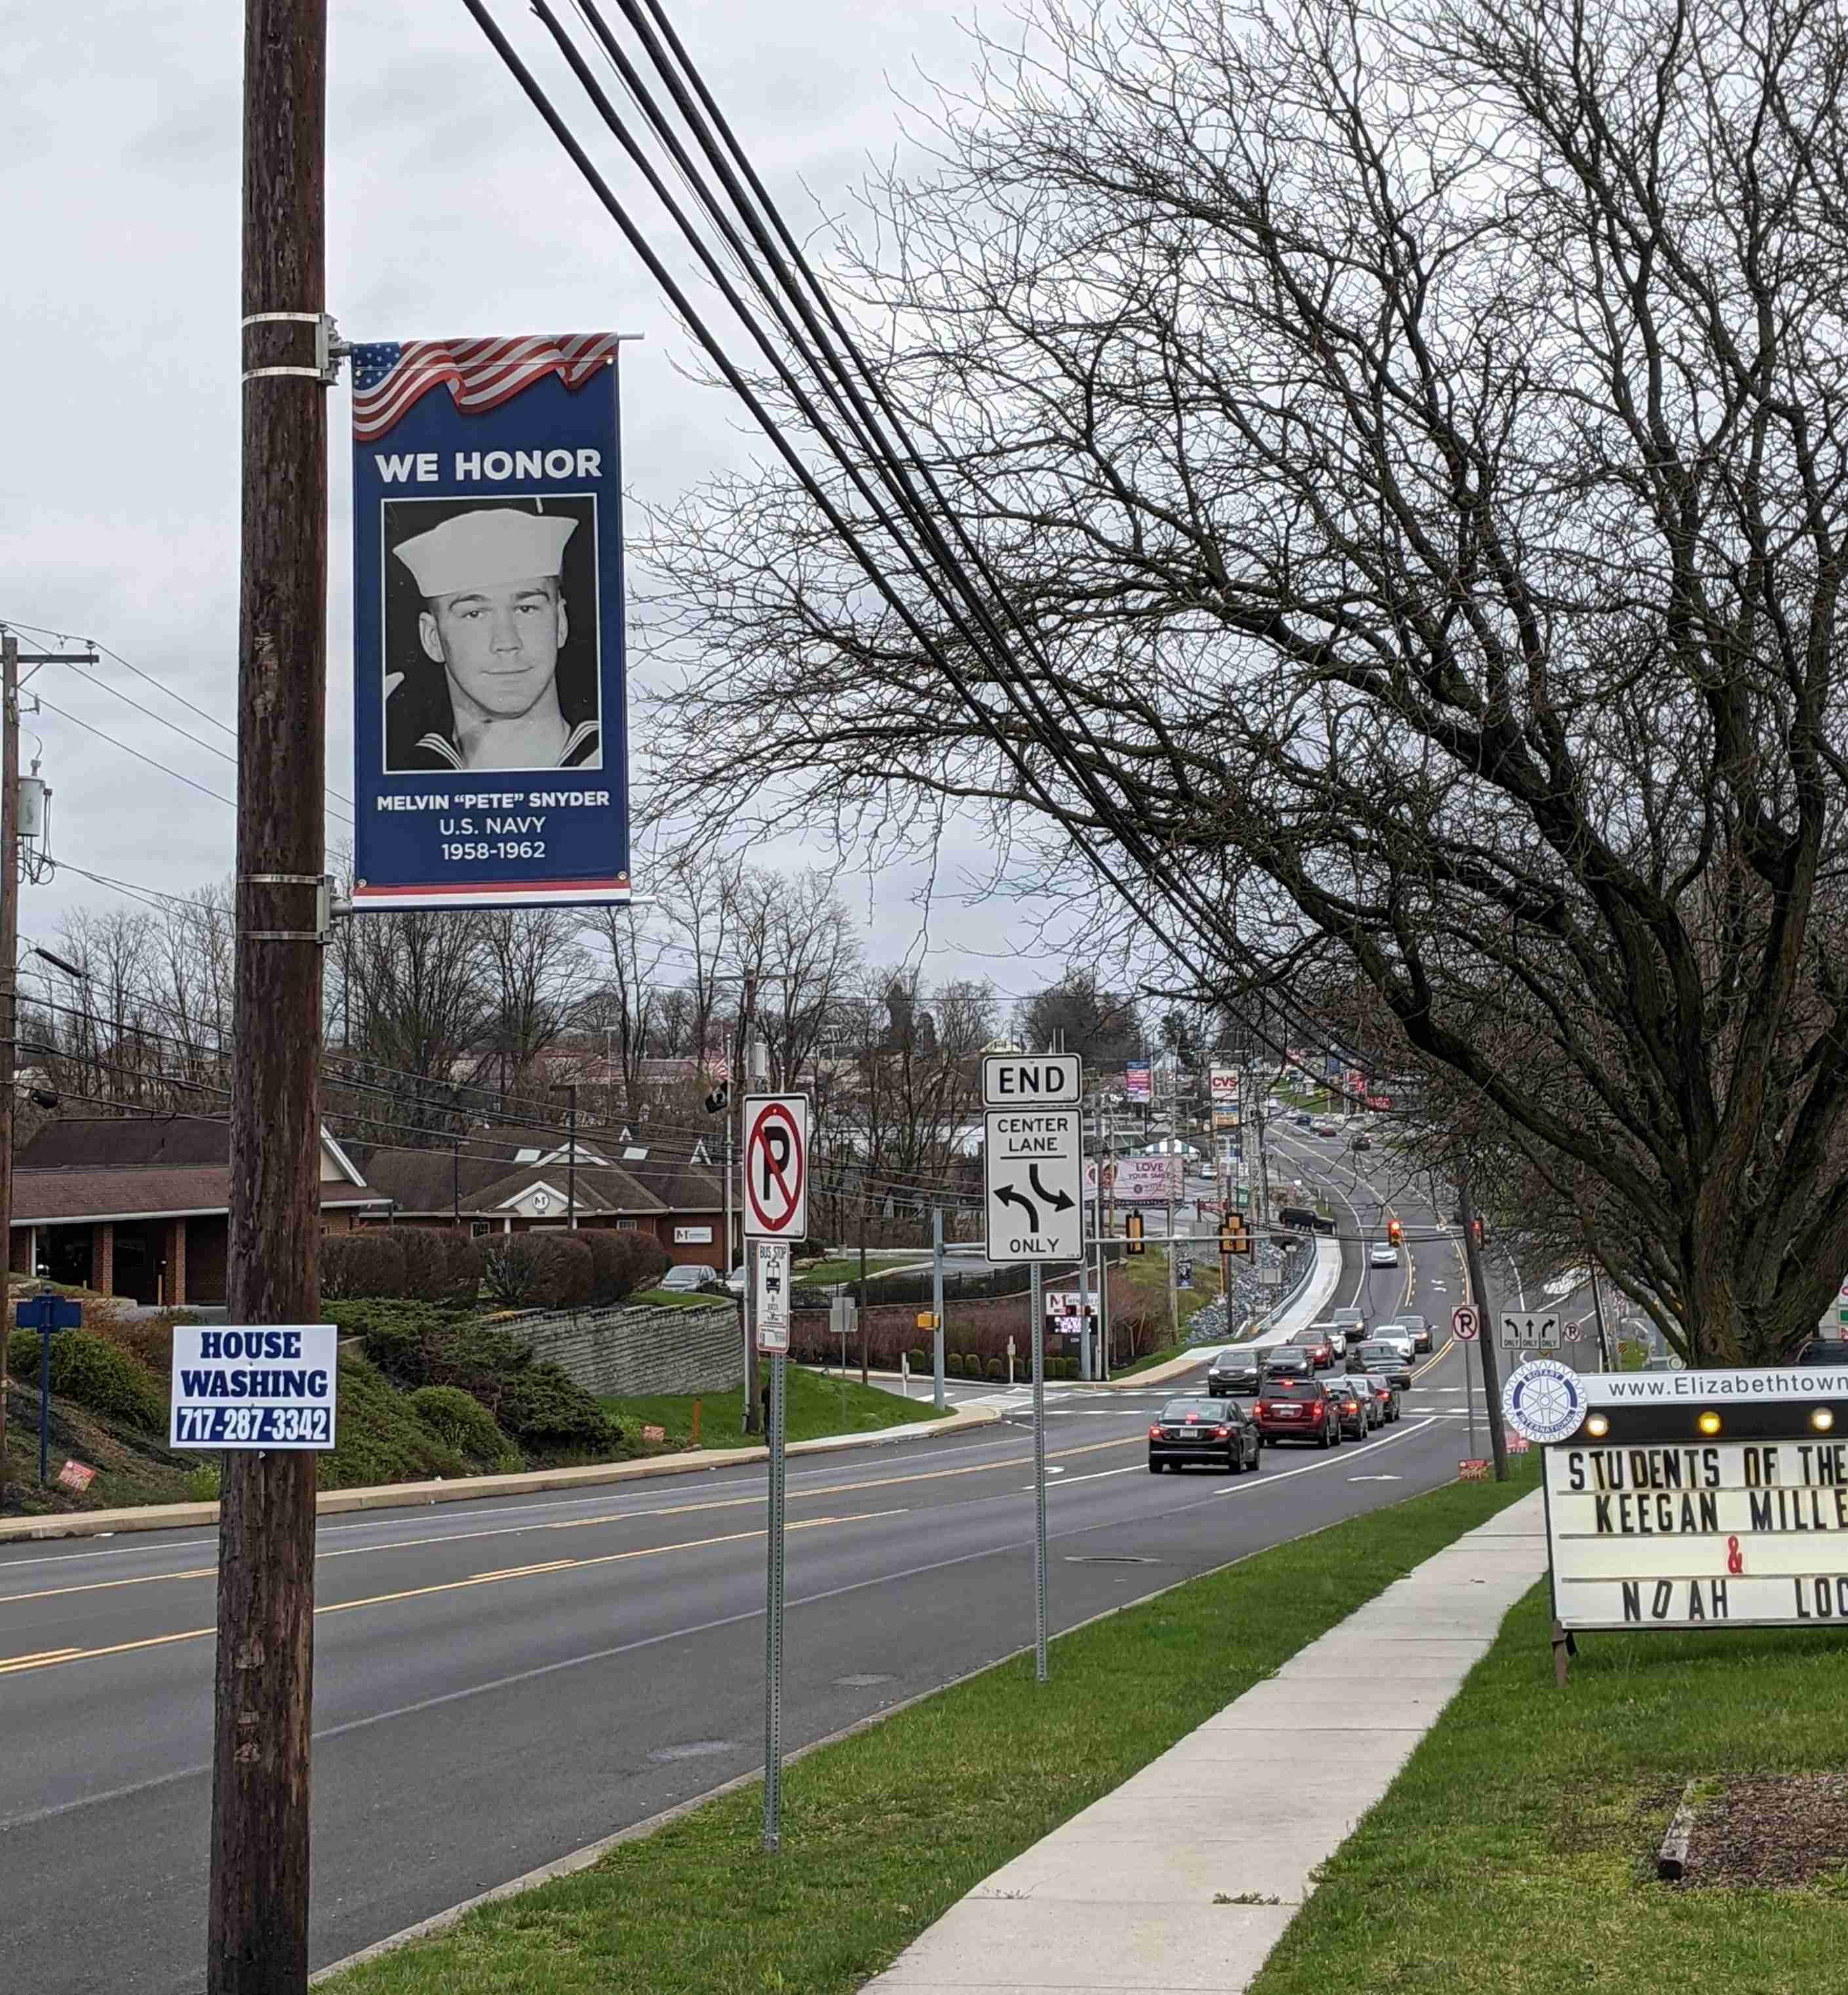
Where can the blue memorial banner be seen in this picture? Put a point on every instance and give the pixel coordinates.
(491, 732)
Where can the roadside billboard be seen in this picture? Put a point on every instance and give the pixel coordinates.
(489, 724)
(1136, 1180)
(1138, 1084)
(1224, 1083)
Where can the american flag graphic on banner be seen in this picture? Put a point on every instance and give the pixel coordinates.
(479, 374)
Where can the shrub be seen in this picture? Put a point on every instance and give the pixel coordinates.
(621, 1263)
(379, 1438)
(370, 1262)
(96, 1374)
(543, 1409)
(952, 1365)
(440, 1265)
(920, 1361)
(461, 1421)
(997, 1369)
(202, 1482)
(537, 1270)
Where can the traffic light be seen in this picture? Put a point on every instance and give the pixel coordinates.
(1132, 1234)
(1395, 1232)
(1475, 1231)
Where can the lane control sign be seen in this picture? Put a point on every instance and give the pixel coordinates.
(776, 1167)
(263, 1386)
(1034, 1183)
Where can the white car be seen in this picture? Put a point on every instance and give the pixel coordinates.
(1383, 1253)
(1396, 1335)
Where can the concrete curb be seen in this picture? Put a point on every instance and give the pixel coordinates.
(406, 1495)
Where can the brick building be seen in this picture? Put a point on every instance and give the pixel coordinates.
(140, 1207)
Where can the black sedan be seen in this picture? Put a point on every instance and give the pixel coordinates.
(1218, 1432)
(1234, 1370)
(1285, 1360)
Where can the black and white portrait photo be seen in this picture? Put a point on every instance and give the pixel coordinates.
(491, 635)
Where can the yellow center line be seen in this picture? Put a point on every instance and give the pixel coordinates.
(52, 1658)
(755, 1500)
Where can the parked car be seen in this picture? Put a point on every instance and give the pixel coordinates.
(1321, 1352)
(689, 1278)
(1285, 1360)
(1383, 1253)
(1386, 1360)
(1297, 1410)
(1354, 1408)
(1384, 1393)
(1218, 1433)
(1421, 1332)
(1302, 1122)
(1233, 1371)
(735, 1281)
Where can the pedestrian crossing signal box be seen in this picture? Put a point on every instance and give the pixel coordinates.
(1132, 1234)
(1234, 1239)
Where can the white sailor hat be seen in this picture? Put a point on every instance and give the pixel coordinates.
(485, 550)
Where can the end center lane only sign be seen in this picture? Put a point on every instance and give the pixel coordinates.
(1033, 1173)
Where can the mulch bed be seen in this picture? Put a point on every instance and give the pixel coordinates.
(1777, 1833)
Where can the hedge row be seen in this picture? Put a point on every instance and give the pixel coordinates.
(592, 1268)
(417, 1263)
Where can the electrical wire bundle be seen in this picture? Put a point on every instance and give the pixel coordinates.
(914, 549)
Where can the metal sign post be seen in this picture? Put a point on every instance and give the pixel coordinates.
(1033, 1172)
(776, 1213)
(1037, 1332)
(773, 1619)
(1463, 1325)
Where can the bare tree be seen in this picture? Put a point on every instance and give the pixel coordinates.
(535, 972)
(1414, 439)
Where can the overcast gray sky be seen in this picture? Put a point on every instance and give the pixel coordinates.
(450, 211)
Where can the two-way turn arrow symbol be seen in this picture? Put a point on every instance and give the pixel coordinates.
(1009, 1196)
(1060, 1201)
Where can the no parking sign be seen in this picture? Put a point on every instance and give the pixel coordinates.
(776, 1166)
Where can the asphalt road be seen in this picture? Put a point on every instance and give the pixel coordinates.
(498, 1683)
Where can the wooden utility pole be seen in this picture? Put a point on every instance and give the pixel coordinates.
(257, 1928)
(9, 985)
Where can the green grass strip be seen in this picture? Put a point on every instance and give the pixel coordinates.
(884, 1831)
(1516, 1853)
(813, 1407)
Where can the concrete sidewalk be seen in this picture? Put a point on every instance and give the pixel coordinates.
(1123, 1897)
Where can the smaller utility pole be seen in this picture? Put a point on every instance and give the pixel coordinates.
(569, 1089)
(455, 1182)
(936, 1304)
(864, 1332)
(1479, 1294)
(9, 988)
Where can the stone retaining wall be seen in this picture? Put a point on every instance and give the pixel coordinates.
(658, 1348)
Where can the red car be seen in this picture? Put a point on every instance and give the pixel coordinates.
(1320, 1346)
(1297, 1410)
